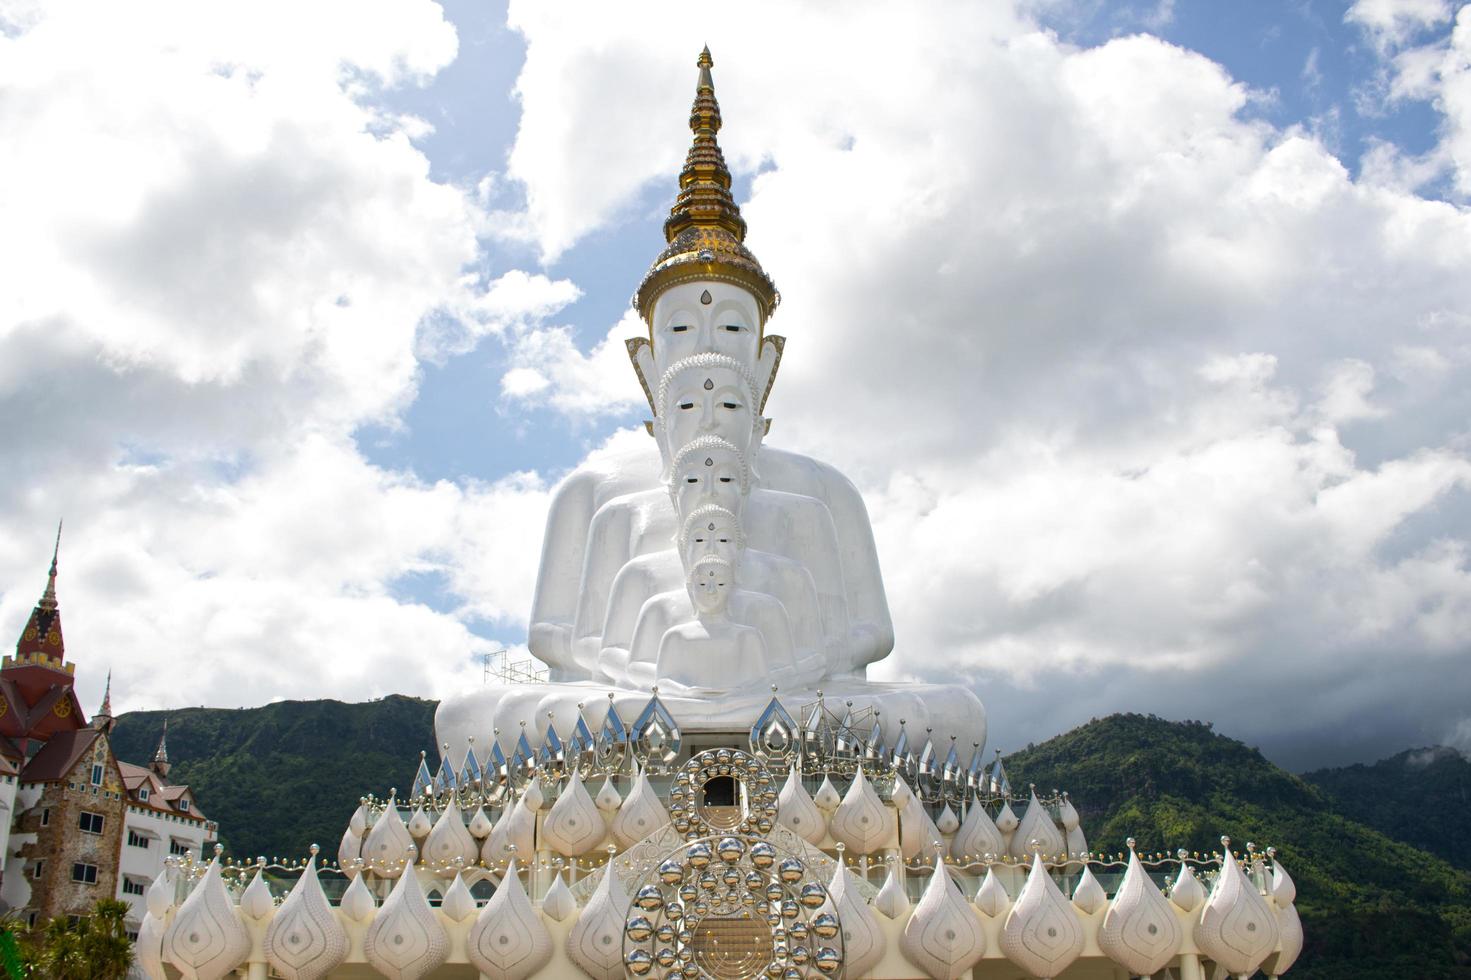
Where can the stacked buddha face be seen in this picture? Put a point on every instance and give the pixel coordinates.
(705, 350)
(707, 421)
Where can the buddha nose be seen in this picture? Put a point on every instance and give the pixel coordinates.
(707, 416)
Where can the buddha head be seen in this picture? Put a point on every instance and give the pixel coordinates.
(710, 582)
(704, 315)
(707, 394)
(705, 277)
(709, 470)
(711, 530)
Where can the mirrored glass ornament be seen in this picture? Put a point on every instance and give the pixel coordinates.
(470, 773)
(655, 735)
(552, 752)
(612, 740)
(423, 778)
(445, 781)
(774, 735)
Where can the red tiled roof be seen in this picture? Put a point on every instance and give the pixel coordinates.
(11, 751)
(135, 777)
(58, 757)
(165, 796)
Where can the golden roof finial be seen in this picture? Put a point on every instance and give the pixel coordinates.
(705, 230)
(48, 598)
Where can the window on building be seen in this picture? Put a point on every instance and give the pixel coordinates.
(89, 822)
(136, 839)
(177, 849)
(97, 775)
(132, 887)
(84, 873)
(45, 817)
(39, 869)
(143, 794)
(184, 804)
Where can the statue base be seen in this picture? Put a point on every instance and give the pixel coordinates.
(925, 711)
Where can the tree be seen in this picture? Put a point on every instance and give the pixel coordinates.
(96, 947)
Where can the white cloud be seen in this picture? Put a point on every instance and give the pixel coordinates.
(1392, 23)
(1437, 71)
(550, 369)
(221, 258)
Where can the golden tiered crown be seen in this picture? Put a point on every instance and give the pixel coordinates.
(705, 229)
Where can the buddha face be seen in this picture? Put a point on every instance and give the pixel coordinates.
(710, 582)
(710, 475)
(708, 401)
(712, 535)
(683, 324)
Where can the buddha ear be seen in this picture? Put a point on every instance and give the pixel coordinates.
(767, 363)
(666, 453)
(641, 354)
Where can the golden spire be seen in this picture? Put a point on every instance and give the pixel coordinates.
(705, 229)
(48, 598)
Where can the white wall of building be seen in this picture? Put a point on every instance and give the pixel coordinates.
(8, 789)
(16, 891)
(141, 864)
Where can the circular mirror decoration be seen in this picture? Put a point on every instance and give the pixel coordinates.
(732, 906)
(723, 791)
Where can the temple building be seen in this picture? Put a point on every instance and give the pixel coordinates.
(78, 823)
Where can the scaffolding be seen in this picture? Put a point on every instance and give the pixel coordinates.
(498, 665)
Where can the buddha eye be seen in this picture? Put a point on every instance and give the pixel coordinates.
(692, 479)
(686, 406)
(731, 405)
(734, 327)
(725, 479)
(699, 540)
(680, 327)
(725, 540)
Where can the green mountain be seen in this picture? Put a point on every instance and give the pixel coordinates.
(282, 777)
(1377, 890)
(1371, 906)
(1422, 797)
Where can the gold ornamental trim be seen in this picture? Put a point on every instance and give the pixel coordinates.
(705, 230)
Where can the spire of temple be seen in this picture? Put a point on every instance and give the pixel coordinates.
(103, 720)
(705, 230)
(161, 764)
(48, 598)
(40, 641)
(704, 183)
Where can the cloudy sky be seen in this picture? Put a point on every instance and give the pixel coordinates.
(1145, 329)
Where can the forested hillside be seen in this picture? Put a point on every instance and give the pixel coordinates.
(1422, 797)
(1371, 906)
(284, 776)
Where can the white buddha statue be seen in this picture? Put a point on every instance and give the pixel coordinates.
(797, 507)
(688, 651)
(705, 398)
(776, 596)
(708, 562)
